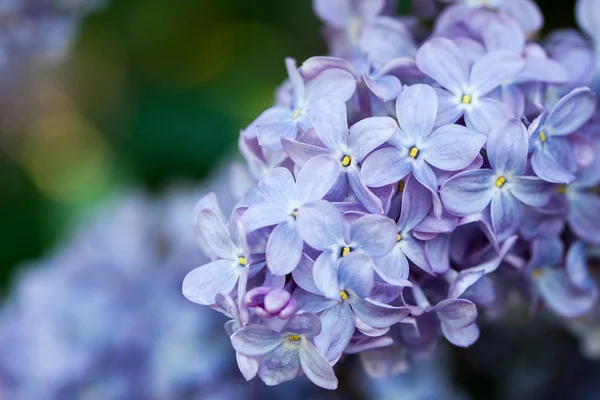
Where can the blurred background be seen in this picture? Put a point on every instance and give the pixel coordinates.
(143, 93)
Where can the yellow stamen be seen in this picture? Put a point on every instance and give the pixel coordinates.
(536, 273)
(294, 338)
(398, 238)
(401, 186)
(296, 114)
(500, 181)
(294, 214)
(543, 137)
(466, 99)
(344, 295)
(345, 251)
(242, 260)
(413, 152)
(561, 189)
(346, 160)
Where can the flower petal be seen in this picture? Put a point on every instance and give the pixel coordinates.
(437, 251)
(263, 214)
(303, 274)
(393, 268)
(374, 234)
(378, 315)
(545, 165)
(452, 147)
(507, 214)
(532, 191)
(215, 235)
(562, 296)
(316, 178)
(300, 152)
(328, 118)
(356, 274)
(493, 69)
(486, 114)
(280, 365)
(302, 323)
(456, 313)
(370, 133)
(461, 337)
(384, 167)
(326, 277)
(284, 248)
(320, 224)
(337, 330)
(416, 108)
(507, 147)
(278, 187)
(255, 340)
(316, 367)
(202, 284)
(583, 216)
(468, 192)
(577, 267)
(416, 204)
(414, 250)
(367, 198)
(442, 60)
(571, 112)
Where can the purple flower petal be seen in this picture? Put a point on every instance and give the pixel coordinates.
(571, 112)
(378, 315)
(452, 147)
(468, 192)
(331, 83)
(507, 214)
(255, 340)
(306, 324)
(311, 302)
(588, 17)
(507, 147)
(494, 69)
(215, 235)
(316, 178)
(449, 108)
(485, 115)
(300, 152)
(337, 13)
(303, 274)
(456, 313)
(280, 365)
(248, 366)
(278, 187)
(461, 337)
(337, 329)
(367, 198)
(370, 133)
(284, 248)
(263, 214)
(202, 284)
(416, 108)
(584, 209)
(414, 250)
(393, 268)
(545, 165)
(316, 367)
(442, 60)
(320, 224)
(326, 277)
(577, 268)
(374, 234)
(386, 87)
(384, 167)
(356, 274)
(532, 191)
(328, 118)
(416, 204)
(562, 296)
(437, 251)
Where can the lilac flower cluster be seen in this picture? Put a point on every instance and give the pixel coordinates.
(404, 181)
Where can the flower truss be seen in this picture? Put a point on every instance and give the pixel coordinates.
(406, 181)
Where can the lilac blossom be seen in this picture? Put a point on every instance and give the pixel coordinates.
(417, 146)
(552, 158)
(287, 352)
(503, 188)
(465, 87)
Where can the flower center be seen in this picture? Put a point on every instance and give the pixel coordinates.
(466, 99)
(536, 273)
(294, 338)
(561, 189)
(413, 152)
(294, 214)
(243, 261)
(345, 251)
(500, 181)
(401, 186)
(296, 113)
(344, 295)
(398, 238)
(346, 160)
(543, 137)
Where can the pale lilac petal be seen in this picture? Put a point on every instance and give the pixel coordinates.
(295, 79)
(328, 118)
(278, 187)
(378, 315)
(526, 13)
(280, 365)
(284, 248)
(452, 147)
(370, 133)
(583, 216)
(486, 114)
(303, 324)
(367, 198)
(325, 276)
(255, 340)
(416, 204)
(416, 108)
(393, 268)
(548, 168)
(355, 273)
(507, 147)
(504, 34)
(437, 251)
(493, 69)
(384, 167)
(449, 108)
(320, 224)
(456, 313)
(337, 329)
(263, 214)
(386, 87)
(333, 83)
(311, 302)
(442, 60)
(300, 152)
(316, 367)
(571, 112)
(577, 268)
(202, 284)
(562, 296)
(532, 191)
(425, 175)
(316, 178)
(588, 17)
(303, 274)
(461, 337)
(336, 13)
(546, 251)
(215, 235)
(507, 214)
(374, 234)
(468, 192)
(413, 249)
(248, 366)
(270, 135)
